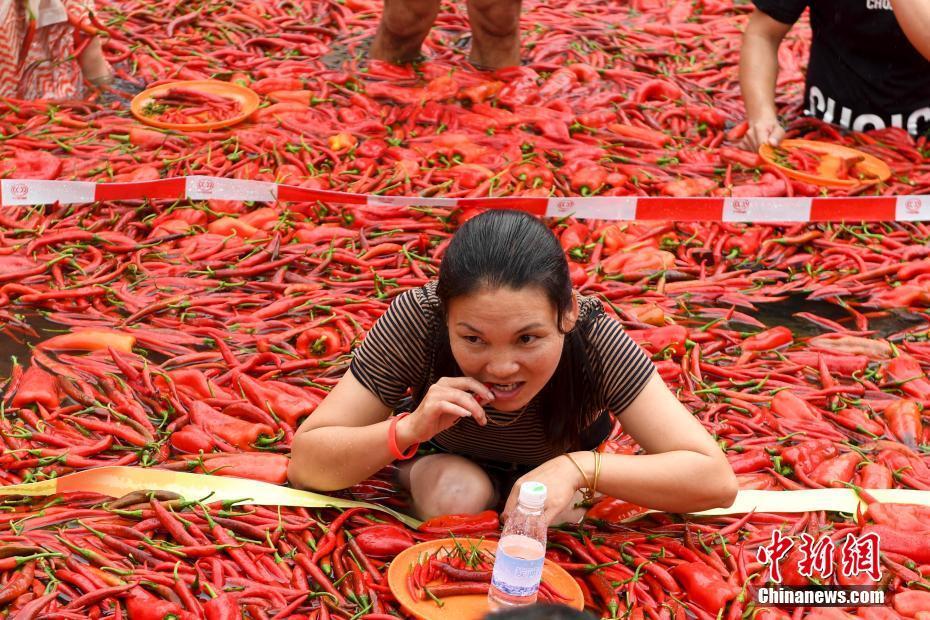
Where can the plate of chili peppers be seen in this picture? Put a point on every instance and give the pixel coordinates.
(450, 578)
(195, 105)
(826, 164)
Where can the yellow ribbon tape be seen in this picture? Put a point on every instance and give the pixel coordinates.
(118, 481)
(808, 500)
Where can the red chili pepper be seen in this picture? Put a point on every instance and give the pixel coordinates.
(605, 592)
(704, 586)
(37, 386)
(460, 574)
(836, 471)
(904, 421)
(262, 466)
(739, 156)
(459, 588)
(640, 136)
(588, 180)
(319, 342)
(287, 402)
(18, 584)
(874, 476)
(910, 603)
(533, 175)
(574, 236)
(768, 340)
(192, 439)
(657, 89)
(237, 432)
(688, 188)
(91, 339)
(906, 371)
(872, 348)
(613, 510)
(913, 544)
(383, 541)
(30, 165)
(845, 365)
(787, 404)
(223, 607)
(669, 339)
(809, 454)
(855, 419)
(750, 461)
(483, 522)
(747, 243)
(141, 605)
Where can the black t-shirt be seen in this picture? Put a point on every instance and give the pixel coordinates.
(863, 72)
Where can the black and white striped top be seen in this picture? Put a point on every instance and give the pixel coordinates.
(395, 356)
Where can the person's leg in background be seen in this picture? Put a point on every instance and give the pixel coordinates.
(495, 33)
(404, 25)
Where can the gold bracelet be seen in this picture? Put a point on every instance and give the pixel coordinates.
(587, 494)
(597, 472)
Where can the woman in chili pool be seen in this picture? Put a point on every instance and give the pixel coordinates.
(508, 375)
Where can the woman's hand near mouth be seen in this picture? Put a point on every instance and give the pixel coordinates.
(446, 402)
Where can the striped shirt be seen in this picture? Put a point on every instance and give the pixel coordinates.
(395, 357)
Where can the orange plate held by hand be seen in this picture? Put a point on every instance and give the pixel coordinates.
(247, 98)
(470, 607)
(862, 169)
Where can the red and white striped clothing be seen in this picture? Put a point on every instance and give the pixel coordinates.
(44, 69)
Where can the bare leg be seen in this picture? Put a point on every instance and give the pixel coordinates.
(404, 25)
(495, 33)
(442, 484)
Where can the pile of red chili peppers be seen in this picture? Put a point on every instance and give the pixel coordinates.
(195, 336)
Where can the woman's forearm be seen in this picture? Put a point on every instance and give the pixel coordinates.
(676, 481)
(914, 18)
(336, 457)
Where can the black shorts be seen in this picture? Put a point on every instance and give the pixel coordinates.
(504, 475)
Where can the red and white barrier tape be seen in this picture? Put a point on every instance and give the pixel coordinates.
(17, 192)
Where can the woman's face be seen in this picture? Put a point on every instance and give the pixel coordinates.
(509, 340)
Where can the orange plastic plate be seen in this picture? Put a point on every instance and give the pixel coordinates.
(247, 98)
(473, 607)
(833, 157)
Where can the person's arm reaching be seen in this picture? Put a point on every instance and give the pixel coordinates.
(682, 471)
(346, 439)
(914, 18)
(758, 73)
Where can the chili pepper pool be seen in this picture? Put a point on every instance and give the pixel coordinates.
(195, 336)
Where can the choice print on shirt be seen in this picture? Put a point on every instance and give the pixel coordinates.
(821, 106)
(863, 72)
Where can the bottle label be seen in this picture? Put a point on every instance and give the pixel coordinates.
(516, 576)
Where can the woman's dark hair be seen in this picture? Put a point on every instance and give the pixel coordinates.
(512, 249)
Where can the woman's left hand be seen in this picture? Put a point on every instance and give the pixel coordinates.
(562, 480)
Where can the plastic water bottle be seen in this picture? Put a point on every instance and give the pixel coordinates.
(521, 552)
